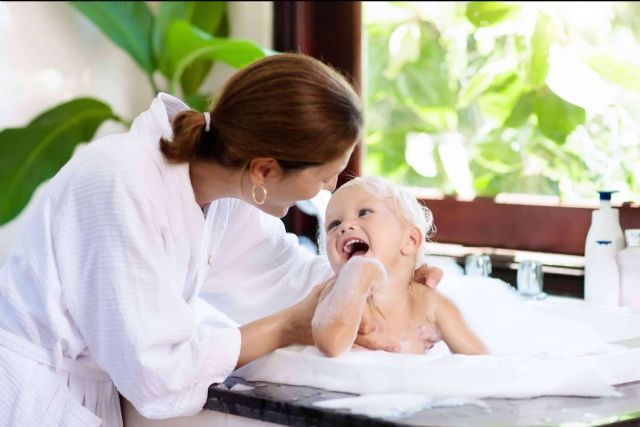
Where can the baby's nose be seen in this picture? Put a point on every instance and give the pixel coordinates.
(345, 228)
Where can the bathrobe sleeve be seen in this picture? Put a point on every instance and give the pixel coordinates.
(260, 268)
(120, 286)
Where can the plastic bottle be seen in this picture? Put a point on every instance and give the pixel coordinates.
(629, 262)
(603, 286)
(601, 258)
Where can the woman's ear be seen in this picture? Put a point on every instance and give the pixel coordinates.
(412, 241)
(263, 168)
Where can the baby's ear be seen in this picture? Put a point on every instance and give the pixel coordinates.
(413, 238)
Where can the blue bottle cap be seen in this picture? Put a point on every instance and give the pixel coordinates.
(606, 195)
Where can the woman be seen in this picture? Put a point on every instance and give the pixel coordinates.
(100, 294)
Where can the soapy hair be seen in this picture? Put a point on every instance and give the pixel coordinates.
(406, 205)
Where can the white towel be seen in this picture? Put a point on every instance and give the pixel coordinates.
(534, 354)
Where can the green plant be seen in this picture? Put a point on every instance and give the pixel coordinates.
(180, 42)
(464, 97)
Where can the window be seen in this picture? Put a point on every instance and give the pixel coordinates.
(495, 118)
(484, 98)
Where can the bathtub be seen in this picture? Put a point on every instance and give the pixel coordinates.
(500, 375)
(289, 395)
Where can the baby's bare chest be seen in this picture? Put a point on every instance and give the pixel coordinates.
(410, 335)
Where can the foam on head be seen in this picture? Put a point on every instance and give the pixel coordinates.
(406, 206)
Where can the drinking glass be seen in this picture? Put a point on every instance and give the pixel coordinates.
(530, 277)
(477, 265)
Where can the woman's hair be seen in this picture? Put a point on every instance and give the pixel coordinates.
(406, 205)
(290, 107)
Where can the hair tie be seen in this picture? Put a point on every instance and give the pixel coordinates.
(207, 121)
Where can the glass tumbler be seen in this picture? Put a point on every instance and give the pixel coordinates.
(529, 280)
(477, 265)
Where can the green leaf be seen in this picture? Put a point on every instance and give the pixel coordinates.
(487, 13)
(491, 75)
(198, 102)
(385, 152)
(521, 111)
(499, 100)
(386, 157)
(128, 24)
(168, 12)
(187, 44)
(543, 36)
(498, 157)
(436, 119)
(616, 69)
(557, 118)
(426, 80)
(35, 153)
(406, 48)
(210, 17)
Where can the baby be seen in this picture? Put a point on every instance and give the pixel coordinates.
(374, 239)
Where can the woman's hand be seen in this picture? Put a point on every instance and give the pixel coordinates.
(377, 337)
(367, 338)
(289, 326)
(428, 275)
(301, 314)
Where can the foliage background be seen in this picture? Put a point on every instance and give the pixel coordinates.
(174, 43)
(482, 98)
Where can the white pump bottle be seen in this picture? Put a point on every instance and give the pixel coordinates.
(601, 275)
(629, 262)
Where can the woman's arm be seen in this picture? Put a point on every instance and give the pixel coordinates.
(289, 326)
(261, 260)
(337, 318)
(455, 332)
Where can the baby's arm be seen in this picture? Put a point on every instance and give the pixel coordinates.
(337, 317)
(455, 332)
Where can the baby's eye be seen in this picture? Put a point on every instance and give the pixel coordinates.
(333, 224)
(364, 212)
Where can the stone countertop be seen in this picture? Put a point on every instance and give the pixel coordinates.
(293, 406)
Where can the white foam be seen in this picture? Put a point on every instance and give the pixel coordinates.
(380, 405)
(509, 326)
(241, 387)
(343, 295)
(394, 405)
(539, 349)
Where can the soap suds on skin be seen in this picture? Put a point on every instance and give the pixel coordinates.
(342, 295)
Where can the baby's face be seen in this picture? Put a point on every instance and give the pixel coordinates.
(358, 224)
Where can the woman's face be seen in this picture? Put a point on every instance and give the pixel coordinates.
(304, 184)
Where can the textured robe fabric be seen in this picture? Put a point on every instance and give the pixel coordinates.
(261, 269)
(100, 294)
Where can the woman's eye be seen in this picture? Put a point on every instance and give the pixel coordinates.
(333, 224)
(364, 212)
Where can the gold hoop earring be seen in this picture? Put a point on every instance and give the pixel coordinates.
(264, 194)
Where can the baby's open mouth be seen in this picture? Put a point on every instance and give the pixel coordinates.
(354, 247)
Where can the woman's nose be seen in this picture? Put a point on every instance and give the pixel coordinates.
(331, 185)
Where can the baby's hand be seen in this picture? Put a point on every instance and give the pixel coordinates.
(366, 270)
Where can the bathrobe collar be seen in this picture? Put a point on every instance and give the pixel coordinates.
(159, 116)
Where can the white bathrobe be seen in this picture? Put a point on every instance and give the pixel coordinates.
(101, 291)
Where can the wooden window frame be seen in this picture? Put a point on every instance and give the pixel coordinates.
(331, 31)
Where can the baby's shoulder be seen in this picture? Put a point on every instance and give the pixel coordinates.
(431, 301)
(425, 300)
